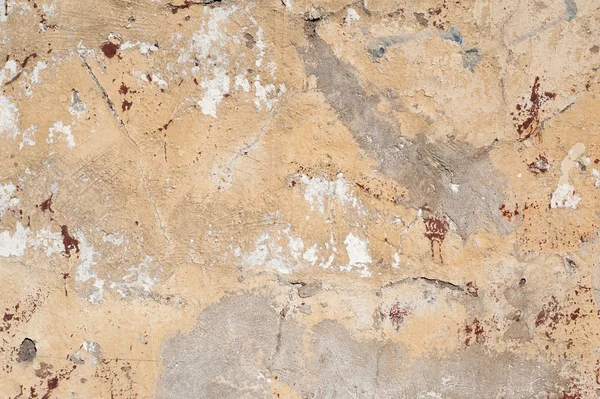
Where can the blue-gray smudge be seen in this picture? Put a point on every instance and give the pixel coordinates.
(378, 51)
(571, 11)
(454, 35)
(471, 58)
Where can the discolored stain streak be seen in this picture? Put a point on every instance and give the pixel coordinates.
(244, 336)
(428, 170)
(571, 9)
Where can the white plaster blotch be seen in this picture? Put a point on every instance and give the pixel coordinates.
(9, 71)
(94, 350)
(145, 48)
(214, 91)
(63, 132)
(241, 82)
(27, 137)
(15, 244)
(564, 195)
(7, 200)
(114, 238)
(35, 74)
(86, 270)
(9, 118)
(358, 255)
(396, 260)
(596, 175)
(77, 107)
(50, 242)
(207, 48)
(351, 15)
(280, 251)
(137, 279)
(322, 193)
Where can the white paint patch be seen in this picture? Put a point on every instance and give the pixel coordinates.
(351, 15)
(94, 350)
(9, 118)
(77, 107)
(596, 174)
(7, 200)
(63, 132)
(50, 242)
(564, 195)
(114, 238)
(358, 255)
(214, 91)
(145, 48)
(49, 9)
(322, 194)
(160, 82)
(27, 137)
(241, 82)
(282, 252)
(207, 47)
(263, 95)
(13, 245)
(137, 279)
(35, 74)
(9, 71)
(86, 270)
(396, 260)
(260, 45)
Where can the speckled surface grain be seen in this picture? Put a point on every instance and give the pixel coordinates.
(299, 199)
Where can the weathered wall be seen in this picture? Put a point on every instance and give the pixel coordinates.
(300, 199)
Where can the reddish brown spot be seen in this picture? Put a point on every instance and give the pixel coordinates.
(109, 49)
(8, 316)
(397, 315)
(508, 214)
(69, 242)
(52, 385)
(123, 89)
(436, 228)
(472, 289)
(47, 205)
(474, 330)
(126, 106)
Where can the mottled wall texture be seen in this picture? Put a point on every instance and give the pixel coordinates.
(303, 199)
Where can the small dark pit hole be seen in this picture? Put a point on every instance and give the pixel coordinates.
(522, 282)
